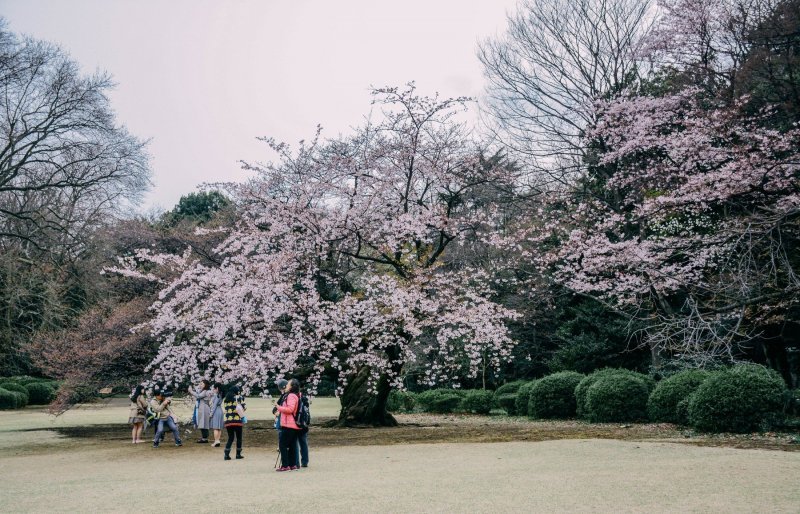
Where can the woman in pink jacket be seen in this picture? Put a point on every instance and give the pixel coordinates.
(287, 436)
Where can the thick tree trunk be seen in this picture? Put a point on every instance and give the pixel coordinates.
(363, 408)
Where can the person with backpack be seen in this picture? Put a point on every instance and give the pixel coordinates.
(217, 418)
(287, 435)
(303, 420)
(137, 413)
(283, 389)
(235, 408)
(202, 409)
(161, 406)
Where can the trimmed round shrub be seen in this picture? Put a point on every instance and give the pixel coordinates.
(744, 398)
(663, 402)
(11, 399)
(521, 403)
(583, 387)
(553, 397)
(616, 398)
(40, 393)
(13, 386)
(511, 387)
(440, 401)
(401, 401)
(477, 401)
(507, 402)
(682, 409)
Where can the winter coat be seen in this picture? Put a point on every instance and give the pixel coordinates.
(217, 420)
(138, 408)
(288, 411)
(163, 409)
(203, 408)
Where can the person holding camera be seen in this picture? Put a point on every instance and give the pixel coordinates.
(235, 408)
(202, 412)
(161, 405)
(289, 431)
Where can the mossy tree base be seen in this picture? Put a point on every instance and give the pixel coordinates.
(362, 408)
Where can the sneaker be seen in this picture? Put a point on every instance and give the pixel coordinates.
(201, 441)
(294, 468)
(284, 468)
(216, 444)
(155, 445)
(179, 443)
(304, 466)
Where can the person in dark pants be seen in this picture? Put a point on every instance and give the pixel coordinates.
(161, 405)
(302, 436)
(234, 412)
(302, 445)
(283, 388)
(287, 435)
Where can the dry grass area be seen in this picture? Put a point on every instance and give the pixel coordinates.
(85, 462)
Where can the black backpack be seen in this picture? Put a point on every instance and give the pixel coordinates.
(303, 415)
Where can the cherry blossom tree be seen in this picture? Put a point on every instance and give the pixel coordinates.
(338, 261)
(692, 220)
(686, 220)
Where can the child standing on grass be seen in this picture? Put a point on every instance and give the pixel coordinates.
(137, 413)
(234, 412)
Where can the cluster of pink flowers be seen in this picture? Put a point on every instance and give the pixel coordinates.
(378, 210)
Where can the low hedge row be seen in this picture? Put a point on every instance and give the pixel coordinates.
(11, 399)
(743, 398)
(442, 401)
(26, 391)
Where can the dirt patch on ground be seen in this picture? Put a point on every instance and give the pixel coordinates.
(427, 428)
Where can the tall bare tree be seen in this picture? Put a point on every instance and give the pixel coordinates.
(556, 58)
(66, 168)
(65, 164)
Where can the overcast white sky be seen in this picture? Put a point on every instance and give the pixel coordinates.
(203, 78)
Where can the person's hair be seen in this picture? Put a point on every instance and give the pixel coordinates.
(206, 384)
(218, 387)
(294, 386)
(231, 394)
(137, 392)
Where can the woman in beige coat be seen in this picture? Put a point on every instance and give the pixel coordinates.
(137, 414)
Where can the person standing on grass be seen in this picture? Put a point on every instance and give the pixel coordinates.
(302, 442)
(287, 435)
(217, 417)
(202, 413)
(161, 405)
(137, 414)
(282, 386)
(234, 412)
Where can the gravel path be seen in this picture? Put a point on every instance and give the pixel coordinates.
(550, 476)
